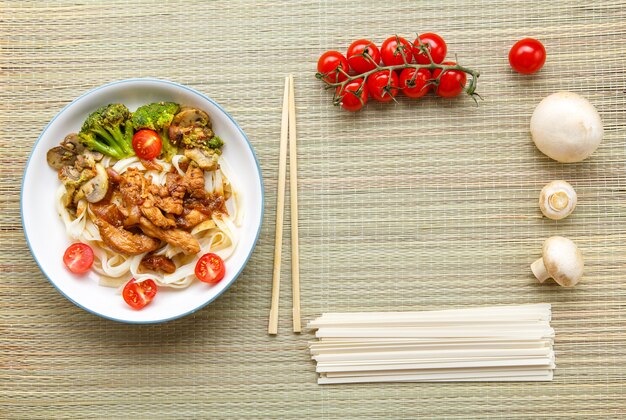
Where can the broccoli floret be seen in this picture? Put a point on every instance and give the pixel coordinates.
(102, 131)
(157, 116)
(216, 143)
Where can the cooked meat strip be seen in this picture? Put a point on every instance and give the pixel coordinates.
(123, 241)
(208, 205)
(155, 216)
(108, 212)
(190, 218)
(132, 186)
(174, 237)
(164, 200)
(157, 263)
(131, 215)
(194, 182)
(151, 165)
(113, 176)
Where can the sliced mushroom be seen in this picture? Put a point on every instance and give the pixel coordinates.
(190, 123)
(205, 160)
(96, 188)
(58, 157)
(72, 143)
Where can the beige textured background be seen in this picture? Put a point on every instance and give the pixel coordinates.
(411, 206)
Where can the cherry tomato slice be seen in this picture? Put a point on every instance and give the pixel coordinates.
(210, 268)
(328, 64)
(527, 56)
(138, 294)
(147, 144)
(392, 49)
(357, 61)
(78, 258)
(451, 83)
(379, 86)
(353, 96)
(436, 46)
(418, 87)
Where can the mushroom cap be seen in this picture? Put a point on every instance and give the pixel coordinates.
(557, 200)
(563, 260)
(566, 127)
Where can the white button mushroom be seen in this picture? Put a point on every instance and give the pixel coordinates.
(557, 200)
(566, 127)
(562, 261)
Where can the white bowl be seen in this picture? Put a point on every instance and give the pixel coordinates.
(45, 232)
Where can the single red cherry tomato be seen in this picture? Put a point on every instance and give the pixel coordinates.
(328, 64)
(357, 61)
(78, 258)
(527, 56)
(451, 83)
(147, 144)
(392, 49)
(436, 46)
(418, 87)
(210, 268)
(353, 96)
(380, 87)
(138, 295)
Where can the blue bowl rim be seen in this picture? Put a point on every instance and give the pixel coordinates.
(135, 81)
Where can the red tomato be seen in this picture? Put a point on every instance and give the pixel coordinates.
(527, 56)
(147, 144)
(379, 86)
(138, 295)
(78, 258)
(419, 86)
(392, 49)
(436, 46)
(354, 96)
(210, 268)
(451, 83)
(357, 61)
(328, 64)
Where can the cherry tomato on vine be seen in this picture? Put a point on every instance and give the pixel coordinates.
(436, 46)
(210, 268)
(451, 83)
(380, 87)
(78, 258)
(147, 144)
(419, 86)
(356, 59)
(392, 49)
(139, 294)
(527, 56)
(353, 96)
(328, 64)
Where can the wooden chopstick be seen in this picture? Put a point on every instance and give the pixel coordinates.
(280, 211)
(293, 190)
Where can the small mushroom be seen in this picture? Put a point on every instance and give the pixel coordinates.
(59, 156)
(566, 127)
(205, 160)
(96, 188)
(191, 123)
(557, 200)
(561, 260)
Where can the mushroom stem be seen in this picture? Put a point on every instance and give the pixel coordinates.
(559, 200)
(539, 270)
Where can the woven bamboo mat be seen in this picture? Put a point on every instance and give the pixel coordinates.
(410, 206)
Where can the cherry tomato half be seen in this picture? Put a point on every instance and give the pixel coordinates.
(210, 268)
(354, 96)
(392, 49)
(147, 144)
(328, 64)
(436, 46)
(139, 294)
(356, 59)
(527, 56)
(419, 86)
(78, 258)
(380, 87)
(451, 83)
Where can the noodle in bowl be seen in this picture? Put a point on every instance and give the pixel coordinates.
(49, 227)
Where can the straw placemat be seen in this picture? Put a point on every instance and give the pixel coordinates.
(412, 206)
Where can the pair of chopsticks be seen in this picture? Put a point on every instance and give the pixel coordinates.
(287, 135)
